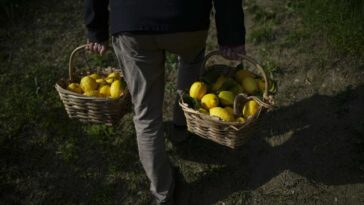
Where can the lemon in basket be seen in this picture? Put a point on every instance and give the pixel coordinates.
(104, 90)
(87, 84)
(261, 84)
(109, 80)
(250, 85)
(95, 76)
(250, 108)
(221, 113)
(92, 93)
(198, 90)
(240, 75)
(101, 82)
(209, 101)
(74, 87)
(241, 119)
(226, 98)
(202, 110)
(115, 89)
(219, 82)
(115, 75)
(230, 110)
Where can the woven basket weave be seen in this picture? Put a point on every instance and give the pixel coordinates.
(230, 134)
(91, 109)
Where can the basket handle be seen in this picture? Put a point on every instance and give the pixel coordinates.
(250, 60)
(70, 63)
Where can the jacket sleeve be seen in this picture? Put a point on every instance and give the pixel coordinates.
(97, 20)
(229, 19)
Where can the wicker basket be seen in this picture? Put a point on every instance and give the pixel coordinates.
(91, 109)
(230, 134)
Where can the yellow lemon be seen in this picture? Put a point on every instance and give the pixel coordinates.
(241, 119)
(201, 110)
(95, 76)
(93, 93)
(74, 87)
(100, 81)
(250, 108)
(209, 101)
(230, 110)
(226, 98)
(221, 113)
(240, 75)
(261, 84)
(87, 83)
(105, 90)
(115, 89)
(249, 85)
(219, 82)
(115, 75)
(198, 90)
(109, 80)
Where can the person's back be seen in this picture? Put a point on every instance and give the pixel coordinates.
(165, 16)
(160, 15)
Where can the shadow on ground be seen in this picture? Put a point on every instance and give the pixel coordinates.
(318, 138)
(63, 162)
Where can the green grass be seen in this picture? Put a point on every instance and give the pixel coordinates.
(337, 23)
(340, 22)
(47, 158)
(264, 34)
(266, 21)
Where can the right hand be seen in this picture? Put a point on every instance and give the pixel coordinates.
(95, 47)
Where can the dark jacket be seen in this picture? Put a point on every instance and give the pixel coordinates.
(165, 16)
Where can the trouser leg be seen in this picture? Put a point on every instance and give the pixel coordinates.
(190, 47)
(143, 68)
(188, 72)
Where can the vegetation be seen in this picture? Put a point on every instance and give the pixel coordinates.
(340, 22)
(308, 150)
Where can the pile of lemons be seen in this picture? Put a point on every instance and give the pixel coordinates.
(97, 85)
(215, 93)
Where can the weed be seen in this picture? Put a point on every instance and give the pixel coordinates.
(271, 66)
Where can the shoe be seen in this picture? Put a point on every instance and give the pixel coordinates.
(181, 192)
(170, 200)
(176, 133)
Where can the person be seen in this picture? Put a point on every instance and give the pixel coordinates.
(142, 31)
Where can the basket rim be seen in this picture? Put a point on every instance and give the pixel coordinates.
(234, 125)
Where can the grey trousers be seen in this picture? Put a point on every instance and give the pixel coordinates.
(142, 59)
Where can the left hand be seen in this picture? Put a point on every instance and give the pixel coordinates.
(232, 52)
(96, 47)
